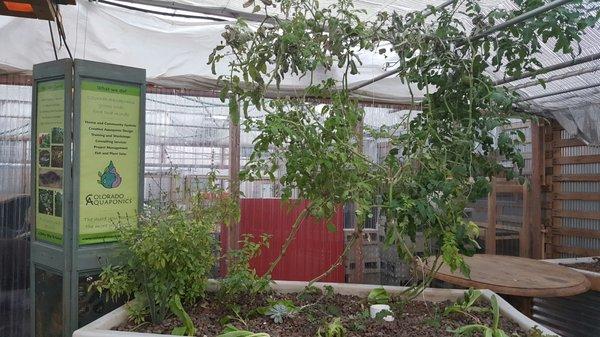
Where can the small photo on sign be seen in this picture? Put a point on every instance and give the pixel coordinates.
(50, 178)
(58, 201)
(44, 158)
(46, 201)
(44, 140)
(58, 135)
(57, 156)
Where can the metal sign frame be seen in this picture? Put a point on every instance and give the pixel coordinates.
(72, 260)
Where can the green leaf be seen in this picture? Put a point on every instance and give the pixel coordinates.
(231, 331)
(234, 112)
(179, 331)
(378, 296)
(188, 327)
(331, 228)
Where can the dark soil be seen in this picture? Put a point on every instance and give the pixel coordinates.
(414, 319)
(590, 266)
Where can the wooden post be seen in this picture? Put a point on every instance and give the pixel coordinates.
(535, 198)
(359, 258)
(524, 233)
(556, 188)
(233, 230)
(490, 232)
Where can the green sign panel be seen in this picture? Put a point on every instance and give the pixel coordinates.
(109, 159)
(49, 161)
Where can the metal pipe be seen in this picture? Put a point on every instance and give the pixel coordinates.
(216, 11)
(392, 72)
(145, 10)
(589, 86)
(557, 77)
(553, 67)
(515, 20)
(521, 18)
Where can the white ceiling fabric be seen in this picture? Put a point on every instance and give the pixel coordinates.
(175, 51)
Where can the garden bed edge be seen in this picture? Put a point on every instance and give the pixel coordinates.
(103, 325)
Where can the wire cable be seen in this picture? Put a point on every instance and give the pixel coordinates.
(52, 37)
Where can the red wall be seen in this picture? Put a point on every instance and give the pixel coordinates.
(313, 251)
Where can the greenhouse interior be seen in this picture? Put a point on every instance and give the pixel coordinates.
(326, 168)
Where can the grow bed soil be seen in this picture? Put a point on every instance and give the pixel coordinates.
(417, 319)
(590, 266)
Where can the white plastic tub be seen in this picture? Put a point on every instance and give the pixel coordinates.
(102, 326)
(592, 276)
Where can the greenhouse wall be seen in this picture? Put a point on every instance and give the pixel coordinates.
(312, 252)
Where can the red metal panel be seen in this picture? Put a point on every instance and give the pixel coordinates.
(313, 251)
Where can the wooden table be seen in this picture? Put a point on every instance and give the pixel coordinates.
(519, 278)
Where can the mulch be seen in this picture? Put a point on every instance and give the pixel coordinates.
(414, 319)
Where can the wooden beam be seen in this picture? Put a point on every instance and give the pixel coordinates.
(484, 225)
(233, 230)
(490, 233)
(569, 142)
(579, 232)
(577, 251)
(524, 233)
(358, 253)
(576, 214)
(556, 188)
(588, 159)
(535, 197)
(505, 188)
(576, 177)
(577, 196)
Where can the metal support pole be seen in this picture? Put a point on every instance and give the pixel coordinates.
(589, 86)
(554, 67)
(523, 17)
(392, 72)
(216, 11)
(513, 21)
(557, 77)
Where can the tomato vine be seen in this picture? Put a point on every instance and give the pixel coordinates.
(443, 152)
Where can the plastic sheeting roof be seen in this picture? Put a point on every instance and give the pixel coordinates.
(174, 52)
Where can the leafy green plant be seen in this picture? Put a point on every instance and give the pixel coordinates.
(443, 152)
(383, 314)
(278, 312)
(232, 331)
(494, 330)
(436, 320)
(241, 279)
(536, 332)
(358, 322)
(332, 329)
(237, 316)
(378, 296)
(188, 328)
(465, 305)
(167, 256)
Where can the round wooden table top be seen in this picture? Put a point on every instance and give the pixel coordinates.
(516, 276)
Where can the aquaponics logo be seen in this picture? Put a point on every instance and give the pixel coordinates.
(110, 178)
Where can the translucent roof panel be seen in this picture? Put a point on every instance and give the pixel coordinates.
(174, 51)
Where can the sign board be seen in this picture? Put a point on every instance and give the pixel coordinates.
(87, 174)
(109, 157)
(49, 140)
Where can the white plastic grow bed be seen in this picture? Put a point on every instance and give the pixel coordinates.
(592, 276)
(102, 326)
